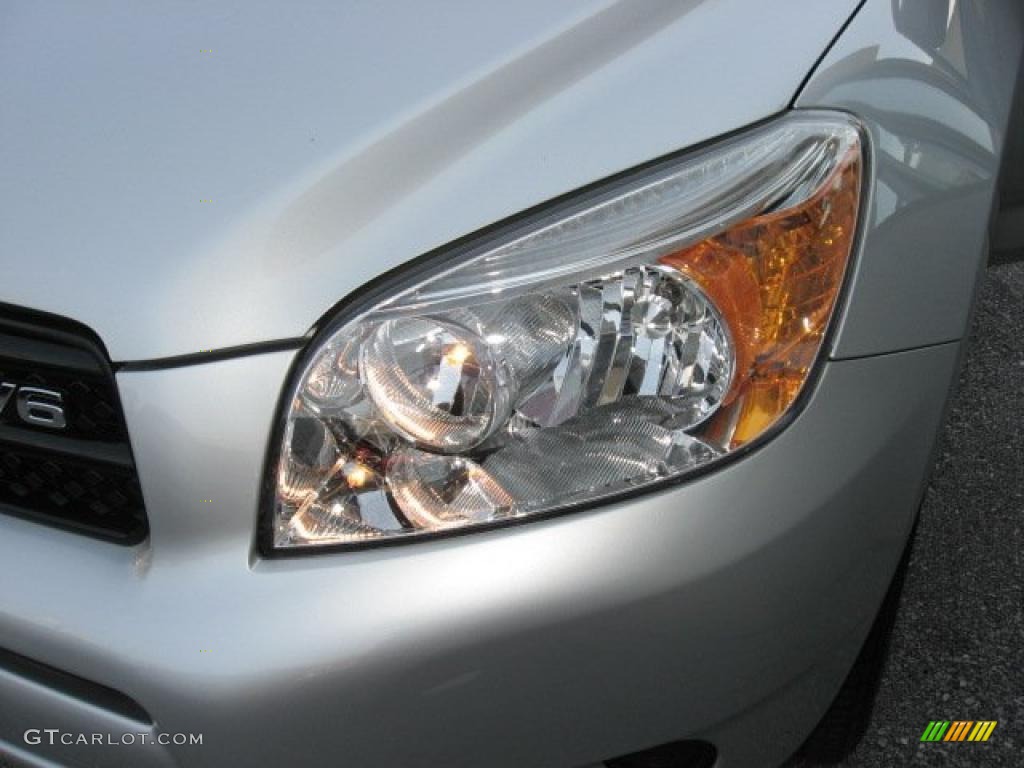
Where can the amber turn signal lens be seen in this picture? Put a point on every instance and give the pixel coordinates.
(776, 279)
(615, 341)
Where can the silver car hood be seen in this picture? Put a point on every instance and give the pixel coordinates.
(183, 179)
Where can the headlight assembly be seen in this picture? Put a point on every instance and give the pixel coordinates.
(644, 329)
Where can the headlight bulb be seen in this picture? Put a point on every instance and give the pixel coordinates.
(643, 331)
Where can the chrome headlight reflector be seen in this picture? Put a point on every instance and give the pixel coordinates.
(643, 329)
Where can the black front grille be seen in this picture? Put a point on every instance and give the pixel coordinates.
(82, 476)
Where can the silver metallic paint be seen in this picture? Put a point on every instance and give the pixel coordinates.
(336, 140)
(727, 608)
(937, 101)
(551, 644)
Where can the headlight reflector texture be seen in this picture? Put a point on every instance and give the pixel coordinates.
(645, 329)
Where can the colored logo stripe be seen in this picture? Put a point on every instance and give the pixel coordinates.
(982, 730)
(959, 730)
(935, 730)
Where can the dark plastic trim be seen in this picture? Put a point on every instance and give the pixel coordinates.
(56, 330)
(83, 351)
(76, 687)
(213, 356)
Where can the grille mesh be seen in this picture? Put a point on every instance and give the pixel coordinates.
(89, 495)
(81, 477)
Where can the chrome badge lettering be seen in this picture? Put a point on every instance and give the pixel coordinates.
(35, 406)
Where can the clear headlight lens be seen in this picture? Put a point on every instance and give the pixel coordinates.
(645, 329)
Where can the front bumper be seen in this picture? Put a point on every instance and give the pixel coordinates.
(728, 608)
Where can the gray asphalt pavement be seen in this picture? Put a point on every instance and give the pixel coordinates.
(957, 650)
